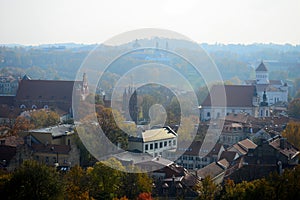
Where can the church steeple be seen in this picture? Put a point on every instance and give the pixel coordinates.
(262, 75)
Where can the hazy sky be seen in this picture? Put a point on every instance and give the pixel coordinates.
(94, 21)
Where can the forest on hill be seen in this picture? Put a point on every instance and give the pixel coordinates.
(236, 62)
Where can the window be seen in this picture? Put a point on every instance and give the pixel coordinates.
(267, 113)
(165, 143)
(146, 147)
(208, 114)
(47, 159)
(156, 145)
(69, 142)
(160, 145)
(34, 107)
(174, 142)
(151, 146)
(169, 142)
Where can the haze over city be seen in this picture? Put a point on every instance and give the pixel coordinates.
(35, 22)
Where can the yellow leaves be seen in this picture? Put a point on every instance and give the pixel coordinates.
(292, 133)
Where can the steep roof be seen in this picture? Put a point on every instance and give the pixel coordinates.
(289, 150)
(213, 169)
(261, 68)
(236, 96)
(45, 90)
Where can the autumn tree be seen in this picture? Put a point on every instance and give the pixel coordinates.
(294, 108)
(77, 186)
(107, 121)
(207, 189)
(292, 133)
(44, 118)
(135, 183)
(22, 124)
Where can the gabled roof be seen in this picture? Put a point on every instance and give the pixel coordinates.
(289, 150)
(242, 147)
(229, 156)
(261, 68)
(45, 90)
(236, 96)
(213, 169)
(155, 135)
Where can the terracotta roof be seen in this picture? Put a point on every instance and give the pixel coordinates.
(261, 68)
(45, 90)
(247, 144)
(213, 169)
(51, 148)
(242, 147)
(288, 151)
(236, 96)
(229, 156)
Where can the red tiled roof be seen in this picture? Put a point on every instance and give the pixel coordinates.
(45, 90)
(236, 96)
(213, 169)
(289, 150)
(229, 156)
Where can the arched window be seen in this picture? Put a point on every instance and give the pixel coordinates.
(22, 106)
(34, 106)
(46, 106)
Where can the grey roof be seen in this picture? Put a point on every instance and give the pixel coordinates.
(56, 131)
(261, 68)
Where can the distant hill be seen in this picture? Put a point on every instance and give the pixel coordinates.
(236, 62)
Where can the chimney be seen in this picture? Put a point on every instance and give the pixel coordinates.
(282, 143)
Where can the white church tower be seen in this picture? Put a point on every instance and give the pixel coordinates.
(262, 75)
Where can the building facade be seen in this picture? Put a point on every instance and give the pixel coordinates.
(154, 141)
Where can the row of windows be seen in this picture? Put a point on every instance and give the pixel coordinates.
(160, 144)
(184, 157)
(33, 106)
(261, 76)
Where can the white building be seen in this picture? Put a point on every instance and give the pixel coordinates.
(154, 141)
(276, 90)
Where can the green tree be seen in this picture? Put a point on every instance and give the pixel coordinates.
(34, 181)
(105, 182)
